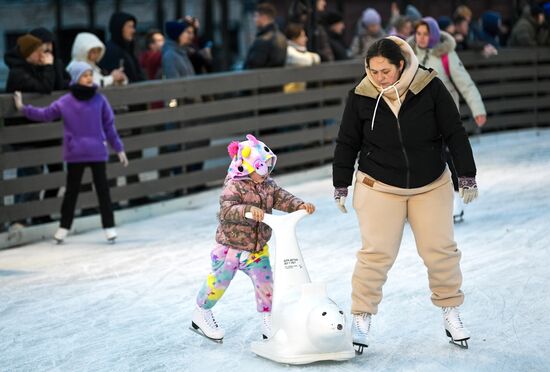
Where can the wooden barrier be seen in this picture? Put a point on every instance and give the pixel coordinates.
(178, 148)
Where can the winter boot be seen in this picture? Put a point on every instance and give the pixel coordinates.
(266, 325)
(111, 235)
(360, 328)
(60, 235)
(458, 209)
(204, 324)
(454, 327)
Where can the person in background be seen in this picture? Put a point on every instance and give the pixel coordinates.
(369, 30)
(403, 28)
(269, 47)
(150, 59)
(120, 49)
(436, 49)
(88, 48)
(527, 30)
(446, 24)
(84, 143)
(200, 57)
(30, 66)
(175, 60)
(396, 122)
(297, 54)
(62, 78)
(334, 25)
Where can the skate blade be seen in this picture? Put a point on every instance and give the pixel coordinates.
(57, 241)
(359, 348)
(458, 218)
(463, 344)
(111, 241)
(199, 332)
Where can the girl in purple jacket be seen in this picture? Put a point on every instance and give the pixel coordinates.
(88, 126)
(242, 243)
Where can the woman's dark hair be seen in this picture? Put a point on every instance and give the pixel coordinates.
(293, 30)
(388, 49)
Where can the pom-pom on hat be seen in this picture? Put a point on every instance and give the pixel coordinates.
(250, 156)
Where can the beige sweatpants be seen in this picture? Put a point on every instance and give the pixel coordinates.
(382, 210)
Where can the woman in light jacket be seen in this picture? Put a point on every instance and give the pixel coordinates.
(436, 49)
(297, 54)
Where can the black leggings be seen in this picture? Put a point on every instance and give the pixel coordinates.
(74, 179)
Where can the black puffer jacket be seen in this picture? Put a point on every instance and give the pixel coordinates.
(26, 77)
(117, 49)
(268, 50)
(405, 152)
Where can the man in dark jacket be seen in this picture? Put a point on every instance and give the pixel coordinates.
(269, 48)
(526, 31)
(120, 49)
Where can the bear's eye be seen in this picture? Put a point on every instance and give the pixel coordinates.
(240, 168)
(341, 312)
(324, 313)
(267, 149)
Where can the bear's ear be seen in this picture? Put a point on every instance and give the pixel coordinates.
(252, 139)
(233, 149)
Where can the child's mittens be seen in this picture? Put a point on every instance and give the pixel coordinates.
(257, 214)
(340, 195)
(309, 208)
(18, 100)
(123, 158)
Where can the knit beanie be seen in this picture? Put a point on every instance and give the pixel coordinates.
(76, 69)
(370, 17)
(175, 28)
(433, 28)
(27, 44)
(250, 156)
(413, 13)
(43, 34)
(444, 22)
(331, 18)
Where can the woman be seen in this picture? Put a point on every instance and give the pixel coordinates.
(398, 119)
(297, 54)
(436, 49)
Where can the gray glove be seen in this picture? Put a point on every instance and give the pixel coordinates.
(467, 189)
(340, 195)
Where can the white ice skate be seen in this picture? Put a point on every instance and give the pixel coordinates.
(110, 234)
(360, 329)
(458, 208)
(60, 235)
(266, 325)
(307, 325)
(205, 325)
(454, 327)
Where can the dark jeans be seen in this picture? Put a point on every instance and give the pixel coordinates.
(74, 179)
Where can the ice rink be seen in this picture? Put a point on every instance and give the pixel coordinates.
(89, 306)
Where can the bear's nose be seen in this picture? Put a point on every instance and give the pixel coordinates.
(339, 326)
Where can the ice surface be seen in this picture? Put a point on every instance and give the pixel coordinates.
(87, 305)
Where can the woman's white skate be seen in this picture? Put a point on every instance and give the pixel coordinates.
(307, 325)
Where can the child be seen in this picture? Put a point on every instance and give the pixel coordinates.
(241, 242)
(88, 126)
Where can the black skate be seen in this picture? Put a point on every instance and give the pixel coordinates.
(359, 348)
(460, 343)
(195, 328)
(458, 218)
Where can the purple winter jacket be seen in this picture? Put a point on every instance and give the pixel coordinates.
(89, 126)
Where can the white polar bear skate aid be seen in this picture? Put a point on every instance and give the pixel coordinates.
(307, 325)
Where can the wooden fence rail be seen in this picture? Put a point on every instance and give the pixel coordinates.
(180, 147)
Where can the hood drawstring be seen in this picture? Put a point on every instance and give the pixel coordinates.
(378, 101)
